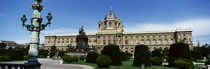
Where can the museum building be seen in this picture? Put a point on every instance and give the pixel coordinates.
(111, 31)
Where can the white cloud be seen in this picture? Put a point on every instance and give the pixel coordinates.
(200, 27)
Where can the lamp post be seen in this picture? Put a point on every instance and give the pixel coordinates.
(35, 27)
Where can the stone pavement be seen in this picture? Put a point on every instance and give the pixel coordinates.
(55, 64)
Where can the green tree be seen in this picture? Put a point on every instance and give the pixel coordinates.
(178, 50)
(157, 53)
(113, 51)
(53, 51)
(2, 46)
(142, 56)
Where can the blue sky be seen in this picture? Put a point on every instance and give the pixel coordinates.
(137, 15)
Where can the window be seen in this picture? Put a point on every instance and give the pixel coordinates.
(148, 42)
(126, 49)
(110, 24)
(159, 41)
(115, 24)
(104, 41)
(99, 25)
(142, 41)
(153, 42)
(166, 41)
(126, 41)
(131, 49)
(137, 37)
(109, 41)
(118, 24)
(115, 41)
(131, 42)
(137, 42)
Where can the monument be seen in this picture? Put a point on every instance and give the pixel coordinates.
(82, 41)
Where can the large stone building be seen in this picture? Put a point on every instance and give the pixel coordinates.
(111, 31)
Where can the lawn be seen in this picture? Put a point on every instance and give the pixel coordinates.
(126, 65)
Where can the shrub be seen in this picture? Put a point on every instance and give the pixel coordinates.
(1, 58)
(25, 57)
(61, 53)
(103, 61)
(82, 58)
(7, 58)
(156, 61)
(157, 53)
(142, 56)
(125, 56)
(178, 50)
(207, 62)
(91, 57)
(68, 58)
(113, 52)
(41, 56)
(183, 64)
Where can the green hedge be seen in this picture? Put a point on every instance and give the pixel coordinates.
(91, 57)
(207, 62)
(103, 61)
(113, 52)
(178, 50)
(82, 58)
(184, 64)
(68, 58)
(142, 56)
(156, 61)
(125, 56)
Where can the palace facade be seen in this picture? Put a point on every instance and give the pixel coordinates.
(111, 31)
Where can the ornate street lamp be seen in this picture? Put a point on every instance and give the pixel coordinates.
(35, 27)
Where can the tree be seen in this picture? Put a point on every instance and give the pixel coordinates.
(179, 50)
(125, 56)
(113, 52)
(53, 51)
(157, 53)
(142, 56)
(196, 53)
(2, 46)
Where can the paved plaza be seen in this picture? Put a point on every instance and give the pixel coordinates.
(56, 64)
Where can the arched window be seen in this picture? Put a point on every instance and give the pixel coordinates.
(165, 41)
(99, 25)
(115, 24)
(131, 42)
(115, 41)
(153, 42)
(159, 41)
(148, 42)
(118, 24)
(185, 40)
(110, 24)
(142, 41)
(126, 49)
(137, 42)
(126, 41)
(131, 49)
(109, 41)
(104, 41)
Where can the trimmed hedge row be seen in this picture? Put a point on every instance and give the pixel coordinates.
(68, 58)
